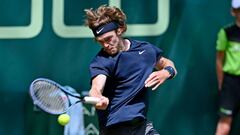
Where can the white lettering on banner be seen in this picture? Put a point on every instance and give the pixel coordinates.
(91, 130)
(81, 31)
(89, 112)
(29, 31)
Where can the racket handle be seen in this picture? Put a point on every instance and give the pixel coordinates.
(91, 100)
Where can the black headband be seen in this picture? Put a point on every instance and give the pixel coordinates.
(104, 28)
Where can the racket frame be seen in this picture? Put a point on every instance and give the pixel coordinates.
(63, 89)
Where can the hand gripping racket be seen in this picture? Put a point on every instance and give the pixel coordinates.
(53, 98)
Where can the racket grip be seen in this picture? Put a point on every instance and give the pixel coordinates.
(91, 100)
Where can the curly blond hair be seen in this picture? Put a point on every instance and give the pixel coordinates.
(103, 15)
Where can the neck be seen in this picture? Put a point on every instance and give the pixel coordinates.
(124, 44)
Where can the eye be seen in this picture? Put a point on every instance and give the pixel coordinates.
(108, 39)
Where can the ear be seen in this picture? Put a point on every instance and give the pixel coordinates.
(119, 31)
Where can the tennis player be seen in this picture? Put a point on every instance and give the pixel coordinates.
(121, 72)
(228, 71)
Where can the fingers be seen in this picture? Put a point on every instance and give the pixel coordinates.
(151, 80)
(156, 86)
(151, 83)
(151, 77)
(155, 80)
(103, 103)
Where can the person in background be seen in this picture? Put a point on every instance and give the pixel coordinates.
(121, 72)
(228, 71)
(76, 124)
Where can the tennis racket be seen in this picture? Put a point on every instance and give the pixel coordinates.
(53, 98)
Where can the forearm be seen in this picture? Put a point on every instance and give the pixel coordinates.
(95, 93)
(97, 87)
(168, 65)
(166, 70)
(219, 71)
(219, 68)
(96, 90)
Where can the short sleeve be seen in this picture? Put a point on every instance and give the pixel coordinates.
(221, 40)
(158, 52)
(97, 68)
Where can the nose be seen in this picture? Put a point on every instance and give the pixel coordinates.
(105, 45)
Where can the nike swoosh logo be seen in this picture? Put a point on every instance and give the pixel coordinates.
(98, 31)
(141, 52)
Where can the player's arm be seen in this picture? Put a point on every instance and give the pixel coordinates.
(219, 64)
(166, 70)
(96, 90)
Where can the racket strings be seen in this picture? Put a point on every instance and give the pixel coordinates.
(50, 97)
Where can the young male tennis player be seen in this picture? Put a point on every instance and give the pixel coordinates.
(121, 72)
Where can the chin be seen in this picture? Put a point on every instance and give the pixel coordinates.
(112, 53)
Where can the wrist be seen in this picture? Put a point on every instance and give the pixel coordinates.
(171, 71)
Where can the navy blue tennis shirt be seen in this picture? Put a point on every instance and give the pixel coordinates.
(126, 73)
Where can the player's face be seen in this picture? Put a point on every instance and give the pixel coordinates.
(110, 42)
(236, 13)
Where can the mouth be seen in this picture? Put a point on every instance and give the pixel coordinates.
(110, 51)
